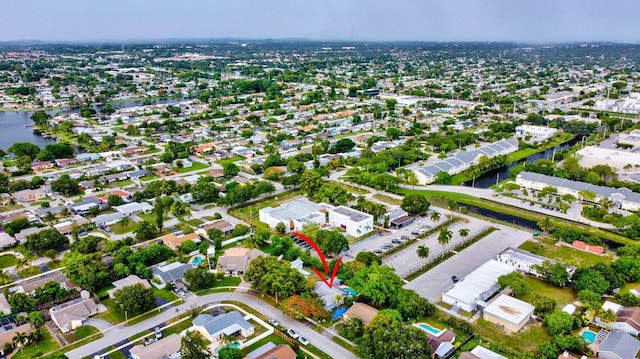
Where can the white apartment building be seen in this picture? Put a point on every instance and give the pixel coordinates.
(532, 134)
(354, 223)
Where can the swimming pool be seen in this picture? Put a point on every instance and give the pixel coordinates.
(196, 261)
(351, 292)
(429, 329)
(232, 345)
(589, 336)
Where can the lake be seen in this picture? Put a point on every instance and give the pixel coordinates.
(13, 123)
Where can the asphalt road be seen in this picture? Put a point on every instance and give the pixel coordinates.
(120, 333)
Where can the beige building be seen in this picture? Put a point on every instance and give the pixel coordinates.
(508, 312)
(235, 261)
(362, 311)
(70, 315)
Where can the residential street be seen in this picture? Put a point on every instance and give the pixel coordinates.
(120, 333)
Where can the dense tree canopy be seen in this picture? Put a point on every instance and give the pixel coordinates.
(387, 338)
(135, 299)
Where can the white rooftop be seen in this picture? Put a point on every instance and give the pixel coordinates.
(479, 281)
(509, 309)
(484, 353)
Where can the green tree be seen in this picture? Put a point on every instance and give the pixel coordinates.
(423, 251)
(435, 216)
(115, 200)
(158, 210)
(45, 240)
(443, 177)
(88, 271)
(181, 210)
(559, 323)
(543, 305)
(463, 232)
(415, 204)
(230, 353)
(231, 169)
(20, 149)
(331, 242)
(281, 228)
(554, 273)
(377, 284)
(194, 346)
(144, 231)
(387, 338)
(134, 299)
(36, 319)
(367, 258)
(199, 278)
(65, 185)
(274, 277)
(310, 182)
(444, 237)
(516, 281)
(21, 302)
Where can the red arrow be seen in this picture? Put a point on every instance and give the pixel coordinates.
(323, 259)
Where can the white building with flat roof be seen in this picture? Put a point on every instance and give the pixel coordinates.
(532, 134)
(478, 286)
(294, 213)
(619, 159)
(508, 312)
(354, 223)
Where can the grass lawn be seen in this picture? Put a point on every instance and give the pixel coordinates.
(178, 328)
(271, 338)
(102, 292)
(230, 160)
(195, 222)
(250, 211)
(526, 340)
(116, 355)
(148, 178)
(120, 184)
(112, 315)
(8, 260)
(12, 207)
(151, 217)
(118, 229)
(562, 296)
(195, 167)
(352, 189)
(224, 282)
(29, 272)
(165, 294)
(546, 247)
(83, 332)
(30, 351)
(387, 199)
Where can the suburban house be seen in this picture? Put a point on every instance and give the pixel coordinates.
(362, 311)
(532, 134)
(354, 223)
(272, 351)
(7, 241)
(108, 219)
(480, 352)
(29, 195)
(619, 345)
(235, 261)
(29, 285)
(627, 318)
(294, 214)
(132, 279)
(224, 226)
(134, 208)
(8, 333)
(622, 197)
(587, 247)
(441, 342)
(21, 236)
(165, 348)
(172, 241)
(214, 328)
(328, 295)
(526, 262)
(5, 307)
(70, 315)
(164, 273)
(508, 313)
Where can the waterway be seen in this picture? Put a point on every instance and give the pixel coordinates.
(525, 223)
(492, 177)
(16, 126)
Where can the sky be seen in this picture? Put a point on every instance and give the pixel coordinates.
(530, 21)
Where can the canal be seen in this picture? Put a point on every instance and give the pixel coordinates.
(17, 126)
(525, 223)
(492, 177)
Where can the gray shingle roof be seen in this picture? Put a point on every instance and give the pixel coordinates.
(227, 323)
(622, 344)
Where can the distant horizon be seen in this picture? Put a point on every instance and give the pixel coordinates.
(528, 22)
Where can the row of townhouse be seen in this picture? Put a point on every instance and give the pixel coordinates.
(462, 160)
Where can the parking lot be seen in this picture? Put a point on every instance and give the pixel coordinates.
(377, 241)
(407, 261)
(431, 284)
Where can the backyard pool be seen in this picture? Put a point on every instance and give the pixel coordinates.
(589, 336)
(351, 292)
(233, 345)
(428, 328)
(196, 261)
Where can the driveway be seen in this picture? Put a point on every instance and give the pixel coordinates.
(122, 333)
(100, 324)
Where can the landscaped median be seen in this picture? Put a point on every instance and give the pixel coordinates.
(433, 230)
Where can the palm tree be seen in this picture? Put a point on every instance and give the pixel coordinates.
(65, 212)
(36, 318)
(49, 217)
(124, 222)
(444, 237)
(546, 226)
(26, 259)
(453, 206)
(5, 278)
(423, 251)
(463, 232)
(20, 339)
(435, 216)
(36, 337)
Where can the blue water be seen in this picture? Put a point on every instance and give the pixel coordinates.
(589, 336)
(351, 292)
(429, 328)
(338, 313)
(233, 345)
(196, 261)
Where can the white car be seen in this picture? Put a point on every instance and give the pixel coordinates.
(293, 334)
(303, 341)
(274, 322)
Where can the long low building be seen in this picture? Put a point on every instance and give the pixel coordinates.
(460, 161)
(478, 286)
(622, 197)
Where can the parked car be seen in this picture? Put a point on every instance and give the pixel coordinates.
(377, 251)
(274, 322)
(158, 333)
(415, 233)
(396, 241)
(303, 341)
(455, 279)
(293, 334)
(404, 238)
